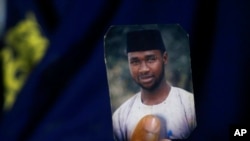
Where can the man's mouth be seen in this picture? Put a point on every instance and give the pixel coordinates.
(146, 78)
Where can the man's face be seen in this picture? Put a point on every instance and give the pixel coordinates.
(147, 67)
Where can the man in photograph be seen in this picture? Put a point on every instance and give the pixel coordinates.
(159, 110)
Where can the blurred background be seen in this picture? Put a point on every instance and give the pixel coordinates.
(53, 79)
(177, 71)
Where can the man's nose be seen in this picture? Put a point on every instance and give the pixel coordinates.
(143, 67)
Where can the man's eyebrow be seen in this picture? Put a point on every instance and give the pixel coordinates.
(133, 58)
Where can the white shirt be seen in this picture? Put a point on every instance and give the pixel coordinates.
(176, 112)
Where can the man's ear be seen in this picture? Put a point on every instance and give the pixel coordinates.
(165, 57)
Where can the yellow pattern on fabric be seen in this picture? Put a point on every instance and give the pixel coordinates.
(24, 48)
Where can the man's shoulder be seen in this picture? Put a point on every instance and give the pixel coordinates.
(182, 91)
(186, 96)
(127, 105)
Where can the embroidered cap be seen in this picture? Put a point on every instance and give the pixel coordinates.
(142, 40)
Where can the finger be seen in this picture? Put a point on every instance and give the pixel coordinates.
(165, 140)
(147, 129)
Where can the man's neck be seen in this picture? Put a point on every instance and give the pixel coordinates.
(155, 96)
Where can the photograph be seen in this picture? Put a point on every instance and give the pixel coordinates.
(150, 82)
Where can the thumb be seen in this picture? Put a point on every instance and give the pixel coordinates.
(147, 129)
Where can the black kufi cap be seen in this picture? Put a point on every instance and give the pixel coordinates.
(142, 40)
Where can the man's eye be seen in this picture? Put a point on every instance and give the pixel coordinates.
(134, 62)
(151, 59)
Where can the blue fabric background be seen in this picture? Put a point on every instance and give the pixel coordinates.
(66, 96)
